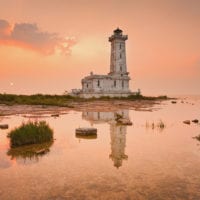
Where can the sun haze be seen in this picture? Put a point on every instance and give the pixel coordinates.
(48, 46)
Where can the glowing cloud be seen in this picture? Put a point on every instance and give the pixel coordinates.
(28, 36)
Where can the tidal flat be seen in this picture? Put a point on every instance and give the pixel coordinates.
(158, 157)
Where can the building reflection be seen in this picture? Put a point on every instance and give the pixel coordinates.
(117, 132)
(118, 144)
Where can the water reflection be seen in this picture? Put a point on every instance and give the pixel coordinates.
(118, 144)
(117, 132)
(29, 153)
(86, 136)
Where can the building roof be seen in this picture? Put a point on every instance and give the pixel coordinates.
(96, 76)
(110, 76)
(118, 31)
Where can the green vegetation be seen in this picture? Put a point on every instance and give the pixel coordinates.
(37, 99)
(63, 100)
(131, 98)
(31, 133)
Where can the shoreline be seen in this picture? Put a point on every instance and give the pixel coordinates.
(93, 106)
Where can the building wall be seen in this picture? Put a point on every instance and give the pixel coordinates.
(115, 84)
(97, 95)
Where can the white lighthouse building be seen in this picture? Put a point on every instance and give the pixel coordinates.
(116, 82)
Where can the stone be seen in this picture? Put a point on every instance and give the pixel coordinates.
(118, 116)
(4, 126)
(86, 131)
(173, 102)
(124, 121)
(195, 121)
(55, 115)
(186, 122)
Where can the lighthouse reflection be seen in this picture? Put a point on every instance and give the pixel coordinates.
(117, 132)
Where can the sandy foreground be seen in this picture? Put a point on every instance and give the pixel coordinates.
(103, 106)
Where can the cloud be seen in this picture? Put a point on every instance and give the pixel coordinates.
(28, 36)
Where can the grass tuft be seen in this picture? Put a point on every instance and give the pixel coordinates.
(160, 125)
(197, 137)
(31, 133)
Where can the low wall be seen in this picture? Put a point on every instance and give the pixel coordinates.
(98, 95)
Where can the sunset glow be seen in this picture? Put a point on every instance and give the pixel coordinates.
(48, 46)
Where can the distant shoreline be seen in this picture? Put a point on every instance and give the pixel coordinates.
(65, 100)
(46, 105)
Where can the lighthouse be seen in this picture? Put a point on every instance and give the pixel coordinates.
(116, 82)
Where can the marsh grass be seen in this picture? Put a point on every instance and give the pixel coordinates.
(131, 97)
(197, 137)
(31, 133)
(153, 125)
(37, 99)
(63, 100)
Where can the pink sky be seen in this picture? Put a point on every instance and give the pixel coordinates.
(48, 46)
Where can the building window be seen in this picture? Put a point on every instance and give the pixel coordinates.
(120, 55)
(122, 83)
(87, 85)
(120, 68)
(98, 83)
(114, 83)
(120, 46)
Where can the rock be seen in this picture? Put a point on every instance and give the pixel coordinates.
(195, 121)
(124, 121)
(55, 115)
(186, 122)
(173, 102)
(3, 126)
(118, 116)
(86, 131)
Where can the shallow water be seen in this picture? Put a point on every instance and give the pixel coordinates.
(139, 162)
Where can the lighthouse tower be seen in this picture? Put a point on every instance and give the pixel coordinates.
(118, 53)
(116, 82)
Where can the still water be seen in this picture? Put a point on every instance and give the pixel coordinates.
(138, 162)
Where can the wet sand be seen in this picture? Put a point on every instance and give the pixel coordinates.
(37, 110)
